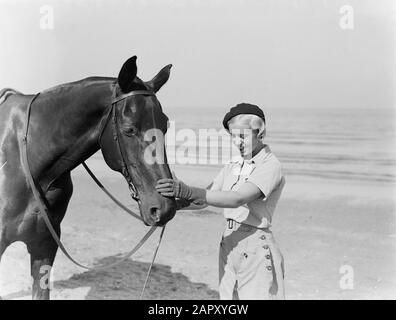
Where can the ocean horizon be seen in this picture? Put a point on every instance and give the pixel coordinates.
(331, 143)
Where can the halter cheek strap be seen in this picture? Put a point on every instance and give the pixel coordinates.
(111, 112)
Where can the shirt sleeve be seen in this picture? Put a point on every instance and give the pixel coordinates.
(266, 177)
(218, 181)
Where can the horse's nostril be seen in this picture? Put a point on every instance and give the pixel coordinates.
(155, 213)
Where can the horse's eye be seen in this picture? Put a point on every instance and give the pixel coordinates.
(130, 131)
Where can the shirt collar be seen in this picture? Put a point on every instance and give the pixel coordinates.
(258, 158)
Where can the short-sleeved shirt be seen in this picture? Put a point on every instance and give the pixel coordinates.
(265, 171)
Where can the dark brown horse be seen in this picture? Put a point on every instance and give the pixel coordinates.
(67, 125)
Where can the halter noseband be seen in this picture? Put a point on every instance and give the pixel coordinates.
(112, 111)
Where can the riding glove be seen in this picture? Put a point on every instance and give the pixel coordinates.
(185, 192)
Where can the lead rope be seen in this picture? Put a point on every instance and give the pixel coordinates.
(118, 203)
(134, 215)
(152, 263)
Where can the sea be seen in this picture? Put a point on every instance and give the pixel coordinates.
(343, 144)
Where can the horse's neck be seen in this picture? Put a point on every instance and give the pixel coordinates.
(67, 127)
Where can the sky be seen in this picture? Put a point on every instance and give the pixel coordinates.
(274, 53)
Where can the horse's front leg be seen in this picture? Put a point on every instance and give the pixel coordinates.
(42, 256)
(42, 252)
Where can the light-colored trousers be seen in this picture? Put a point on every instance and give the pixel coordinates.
(250, 265)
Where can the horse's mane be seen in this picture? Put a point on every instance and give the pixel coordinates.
(139, 84)
(86, 81)
(6, 92)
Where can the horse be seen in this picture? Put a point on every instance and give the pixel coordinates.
(66, 125)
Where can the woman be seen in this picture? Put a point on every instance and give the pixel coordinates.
(250, 262)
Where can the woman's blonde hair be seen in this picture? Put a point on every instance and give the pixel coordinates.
(254, 122)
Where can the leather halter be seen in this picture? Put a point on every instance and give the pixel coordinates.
(112, 112)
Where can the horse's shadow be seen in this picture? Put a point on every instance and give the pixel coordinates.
(125, 282)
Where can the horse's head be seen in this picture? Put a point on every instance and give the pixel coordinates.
(132, 140)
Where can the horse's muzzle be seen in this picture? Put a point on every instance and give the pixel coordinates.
(159, 213)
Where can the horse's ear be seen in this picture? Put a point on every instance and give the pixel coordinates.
(127, 75)
(160, 79)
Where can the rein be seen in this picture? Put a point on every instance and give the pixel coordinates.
(43, 204)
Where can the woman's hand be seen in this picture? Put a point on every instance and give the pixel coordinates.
(167, 187)
(174, 188)
(178, 189)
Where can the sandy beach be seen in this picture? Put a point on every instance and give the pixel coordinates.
(322, 226)
(323, 73)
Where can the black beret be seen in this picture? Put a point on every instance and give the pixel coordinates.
(243, 108)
